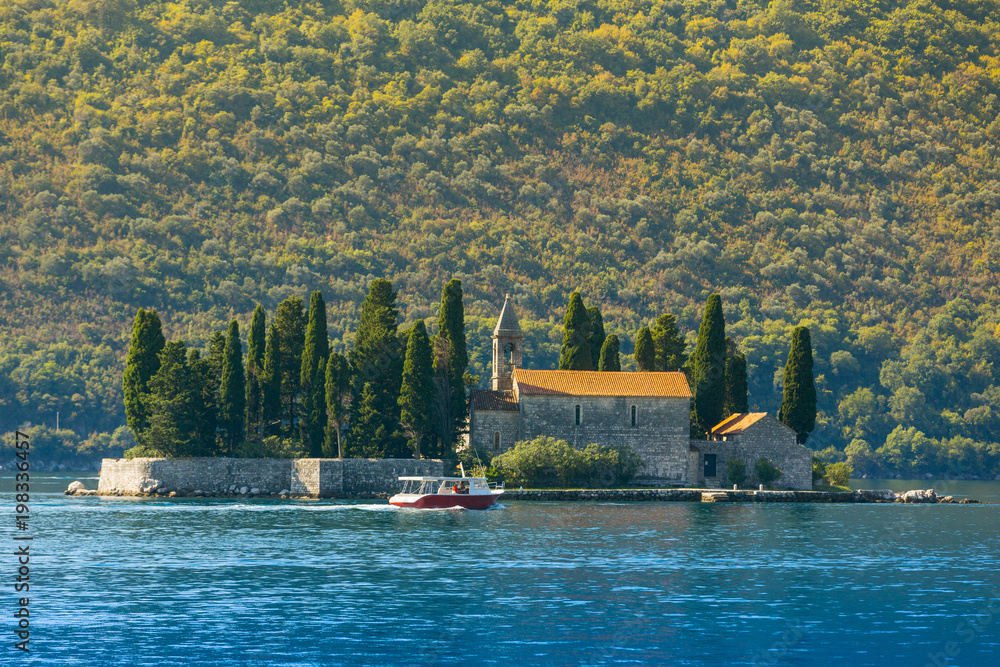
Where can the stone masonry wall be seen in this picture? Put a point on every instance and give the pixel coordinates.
(487, 422)
(771, 439)
(208, 475)
(223, 476)
(660, 435)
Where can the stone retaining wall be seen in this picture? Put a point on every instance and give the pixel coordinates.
(326, 478)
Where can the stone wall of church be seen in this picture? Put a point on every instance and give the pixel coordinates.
(487, 423)
(660, 435)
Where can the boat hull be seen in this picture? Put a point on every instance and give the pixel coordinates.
(445, 501)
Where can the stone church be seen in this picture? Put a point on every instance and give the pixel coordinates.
(649, 411)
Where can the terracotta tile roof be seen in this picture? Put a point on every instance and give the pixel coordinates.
(601, 383)
(503, 401)
(736, 424)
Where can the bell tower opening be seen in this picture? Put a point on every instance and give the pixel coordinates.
(507, 347)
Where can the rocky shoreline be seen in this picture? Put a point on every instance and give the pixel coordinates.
(917, 496)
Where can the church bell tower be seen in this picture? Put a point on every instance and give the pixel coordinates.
(507, 347)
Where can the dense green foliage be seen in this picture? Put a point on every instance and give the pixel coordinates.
(256, 350)
(546, 461)
(736, 471)
(141, 364)
(312, 378)
(737, 401)
(766, 472)
(232, 392)
(645, 351)
(451, 363)
(670, 344)
(575, 352)
(833, 165)
(798, 402)
(708, 369)
(416, 396)
(377, 366)
(338, 401)
(610, 359)
(596, 335)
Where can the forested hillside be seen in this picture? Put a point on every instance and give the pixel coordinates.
(833, 164)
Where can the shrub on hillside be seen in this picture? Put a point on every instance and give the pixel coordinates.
(736, 471)
(839, 473)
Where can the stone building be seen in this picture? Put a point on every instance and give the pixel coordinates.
(648, 411)
(750, 437)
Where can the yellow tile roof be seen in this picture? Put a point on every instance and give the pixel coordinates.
(736, 424)
(601, 383)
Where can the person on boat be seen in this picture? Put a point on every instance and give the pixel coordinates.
(454, 488)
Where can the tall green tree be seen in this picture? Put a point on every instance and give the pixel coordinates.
(291, 323)
(338, 401)
(575, 352)
(597, 336)
(205, 413)
(173, 400)
(645, 350)
(709, 367)
(377, 360)
(610, 359)
(317, 348)
(736, 380)
(141, 364)
(256, 348)
(451, 360)
(798, 401)
(270, 384)
(232, 392)
(368, 426)
(416, 398)
(670, 344)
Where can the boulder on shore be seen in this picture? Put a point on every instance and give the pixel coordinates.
(918, 496)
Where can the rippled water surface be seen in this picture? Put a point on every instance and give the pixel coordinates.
(214, 582)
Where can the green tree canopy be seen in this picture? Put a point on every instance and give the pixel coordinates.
(670, 344)
(798, 401)
(312, 425)
(575, 352)
(451, 359)
(416, 398)
(141, 364)
(645, 350)
(610, 359)
(232, 392)
(709, 367)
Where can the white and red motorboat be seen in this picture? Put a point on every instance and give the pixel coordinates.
(473, 493)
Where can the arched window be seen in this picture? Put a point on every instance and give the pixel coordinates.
(633, 415)
(578, 415)
(496, 440)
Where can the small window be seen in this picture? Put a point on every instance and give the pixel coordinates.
(496, 440)
(578, 415)
(633, 415)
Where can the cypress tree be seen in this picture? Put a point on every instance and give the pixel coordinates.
(256, 347)
(270, 384)
(172, 400)
(597, 335)
(798, 401)
(206, 411)
(416, 397)
(141, 364)
(736, 380)
(610, 351)
(368, 426)
(670, 345)
(312, 381)
(575, 352)
(291, 322)
(377, 360)
(338, 395)
(451, 360)
(645, 351)
(232, 392)
(709, 367)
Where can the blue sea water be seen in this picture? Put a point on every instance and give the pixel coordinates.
(226, 582)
